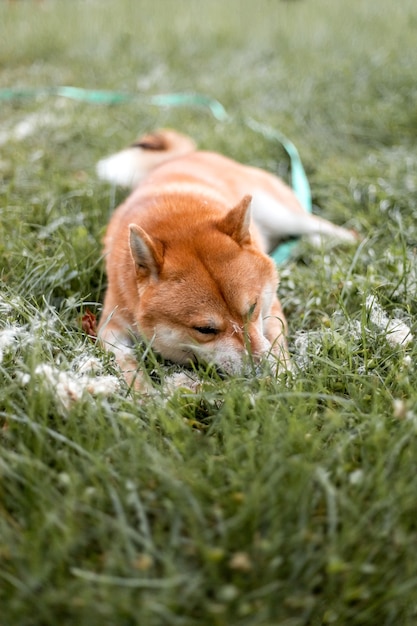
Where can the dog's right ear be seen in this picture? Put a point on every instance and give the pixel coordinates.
(147, 253)
(236, 223)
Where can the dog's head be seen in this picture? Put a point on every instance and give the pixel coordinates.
(205, 289)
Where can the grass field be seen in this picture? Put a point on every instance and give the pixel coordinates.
(254, 502)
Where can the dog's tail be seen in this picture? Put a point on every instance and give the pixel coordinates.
(131, 165)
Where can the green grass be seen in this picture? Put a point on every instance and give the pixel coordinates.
(254, 501)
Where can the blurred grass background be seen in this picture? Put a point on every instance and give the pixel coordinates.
(254, 501)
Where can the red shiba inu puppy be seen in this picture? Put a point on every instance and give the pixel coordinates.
(186, 255)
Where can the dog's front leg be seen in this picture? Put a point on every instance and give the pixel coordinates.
(276, 332)
(114, 337)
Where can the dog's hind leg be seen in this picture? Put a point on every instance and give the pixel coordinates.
(276, 221)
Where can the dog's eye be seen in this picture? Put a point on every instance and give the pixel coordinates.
(206, 330)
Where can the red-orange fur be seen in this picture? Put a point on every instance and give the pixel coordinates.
(184, 258)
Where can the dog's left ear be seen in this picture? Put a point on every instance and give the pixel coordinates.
(147, 253)
(237, 222)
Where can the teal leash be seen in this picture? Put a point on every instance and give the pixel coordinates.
(299, 183)
(299, 179)
(98, 96)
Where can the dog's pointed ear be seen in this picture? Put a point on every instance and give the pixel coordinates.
(147, 253)
(236, 224)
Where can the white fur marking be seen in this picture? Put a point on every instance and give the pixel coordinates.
(277, 220)
(123, 168)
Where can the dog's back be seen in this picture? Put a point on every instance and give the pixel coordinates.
(167, 157)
